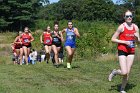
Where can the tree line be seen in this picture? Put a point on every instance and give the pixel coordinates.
(16, 14)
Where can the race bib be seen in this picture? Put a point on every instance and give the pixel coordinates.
(55, 40)
(70, 37)
(26, 40)
(132, 44)
(48, 41)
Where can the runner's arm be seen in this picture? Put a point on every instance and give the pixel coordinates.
(63, 31)
(15, 41)
(32, 38)
(116, 34)
(41, 38)
(62, 39)
(76, 32)
(137, 33)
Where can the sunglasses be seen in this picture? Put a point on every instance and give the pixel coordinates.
(127, 16)
(69, 24)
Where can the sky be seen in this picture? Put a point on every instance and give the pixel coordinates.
(114, 1)
(53, 1)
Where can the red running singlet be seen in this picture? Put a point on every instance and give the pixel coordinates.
(25, 39)
(18, 46)
(47, 38)
(127, 35)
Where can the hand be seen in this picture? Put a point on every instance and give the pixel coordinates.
(62, 40)
(136, 35)
(127, 43)
(29, 41)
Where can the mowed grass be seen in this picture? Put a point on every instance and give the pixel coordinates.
(85, 77)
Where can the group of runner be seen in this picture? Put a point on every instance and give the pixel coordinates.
(52, 41)
(22, 45)
(126, 36)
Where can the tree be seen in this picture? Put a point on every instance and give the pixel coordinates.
(4, 15)
(97, 10)
(16, 14)
(81, 10)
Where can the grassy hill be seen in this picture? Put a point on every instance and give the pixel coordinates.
(86, 76)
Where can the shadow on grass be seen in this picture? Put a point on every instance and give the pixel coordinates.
(118, 86)
(73, 67)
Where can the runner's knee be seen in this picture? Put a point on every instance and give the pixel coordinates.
(124, 73)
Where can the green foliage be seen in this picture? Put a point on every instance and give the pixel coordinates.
(85, 77)
(97, 10)
(95, 37)
(17, 13)
(80, 10)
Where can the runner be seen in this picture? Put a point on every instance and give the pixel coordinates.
(127, 33)
(57, 39)
(46, 39)
(27, 38)
(70, 43)
(18, 47)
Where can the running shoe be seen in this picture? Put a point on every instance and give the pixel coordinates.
(47, 61)
(112, 74)
(68, 65)
(123, 91)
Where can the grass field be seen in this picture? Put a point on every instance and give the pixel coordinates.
(85, 77)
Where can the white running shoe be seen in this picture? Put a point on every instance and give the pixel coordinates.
(123, 91)
(112, 74)
(68, 65)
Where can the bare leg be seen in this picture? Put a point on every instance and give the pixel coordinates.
(21, 56)
(48, 50)
(130, 59)
(58, 49)
(28, 51)
(14, 58)
(54, 48)
(70, 52)
(25, 50)
(17, 56)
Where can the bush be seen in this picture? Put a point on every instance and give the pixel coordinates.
(95, 37)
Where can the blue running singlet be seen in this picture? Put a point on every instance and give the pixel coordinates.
(70, 38)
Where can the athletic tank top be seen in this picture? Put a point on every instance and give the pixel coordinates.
(18, 45)
(47, 38)
(14, 49)
(25, 39)
(70, 36)
(55, 39)
(127, 35)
